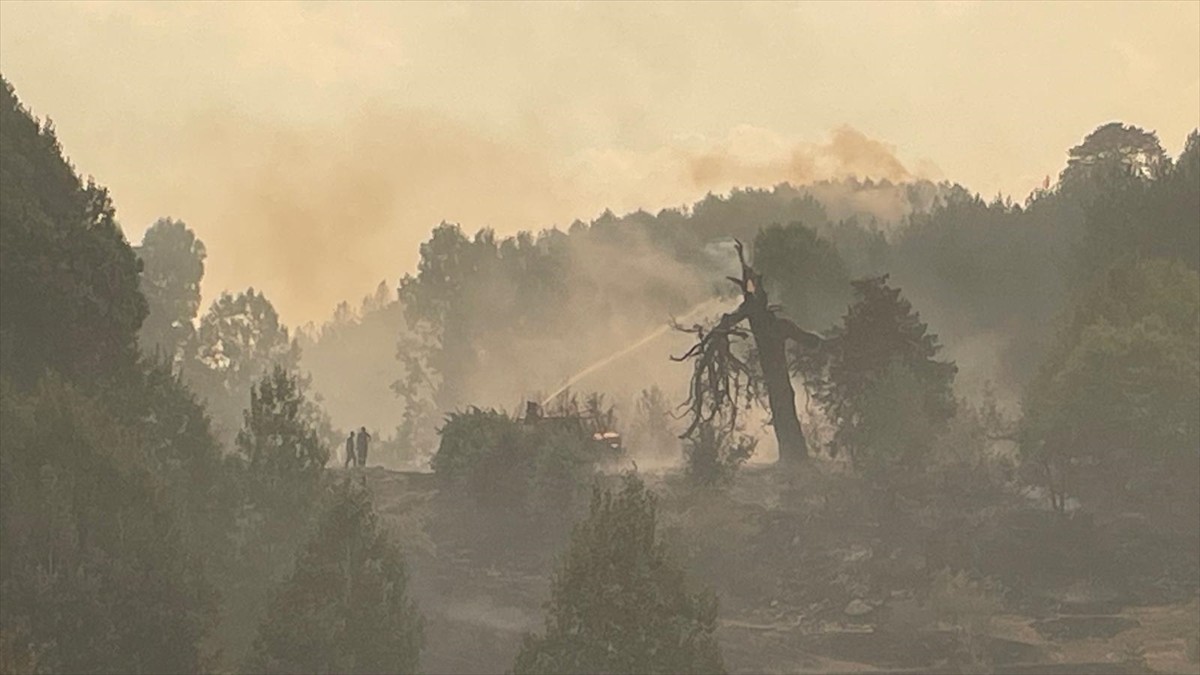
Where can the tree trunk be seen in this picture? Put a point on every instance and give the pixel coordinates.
(781, 396)
(717, 373)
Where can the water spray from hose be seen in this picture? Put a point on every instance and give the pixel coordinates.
(707, 305)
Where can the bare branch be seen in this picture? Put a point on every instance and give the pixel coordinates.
(737, 244)
(791, 331)
(721, 381)
(719, 378)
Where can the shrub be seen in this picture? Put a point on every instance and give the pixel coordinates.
(714, 453)
(969, 605)
(536, 468)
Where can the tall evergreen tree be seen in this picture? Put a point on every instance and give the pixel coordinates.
(172, 267)
(803, 272)
(68, 278)
(1120, 387)
(92, 570)
(280, 446)
(345, 608)
(279, 461)
(619, 603)
(240, 339)
(881, 339)
(108, 476)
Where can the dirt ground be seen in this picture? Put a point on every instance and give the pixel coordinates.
(480, 593)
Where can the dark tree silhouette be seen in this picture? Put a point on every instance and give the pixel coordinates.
(345, 607)
(172, 268)
(723, 382)
(620, 602)
(68, 278)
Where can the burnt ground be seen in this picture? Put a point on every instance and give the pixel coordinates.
(803, 589)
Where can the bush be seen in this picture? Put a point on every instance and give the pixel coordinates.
(468, 437)
(714, 453)
(281, 451)
(651, 435)
(969, 606)
(535, 468)
(892, 431)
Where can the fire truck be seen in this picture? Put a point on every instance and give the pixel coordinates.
(595, 426)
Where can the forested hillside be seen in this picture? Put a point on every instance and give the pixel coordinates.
(986, 415)
(137, 539)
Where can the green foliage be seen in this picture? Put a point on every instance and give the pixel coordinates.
(469, 436)
(1116, 393)
(68, 278)
(240, 340)
(1146, 218)
(279, 443)
(417, 432)
(278, 467)
(169, 423)
(116, 505)
(877, 377)
(118, 514)
(892, 429)
(1113, 150)
(562, 461)
(480, 304)
(803, 272)
(978, 268)
(989, 266)
(468, 291)
(352, 362)
(93, 572)
(619, 603)
(537, 468)
(714, 453)
(345, 608)
(172, 267)
(1122, 384)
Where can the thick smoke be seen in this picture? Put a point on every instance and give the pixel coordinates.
(755, 157)
(315, 214)
(320, 215)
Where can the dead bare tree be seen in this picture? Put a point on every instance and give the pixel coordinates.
(722, 382)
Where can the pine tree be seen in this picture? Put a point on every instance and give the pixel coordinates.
(239, 341)
(279, 442)
(714, 454)
(68, 278)
(105, 465)
(345, 608)
(279, 461)
(619, 603)
(880, 345)
(92, 570)
(172, 268)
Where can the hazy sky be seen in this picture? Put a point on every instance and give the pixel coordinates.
(312, 146)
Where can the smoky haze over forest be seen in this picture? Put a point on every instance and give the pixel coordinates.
(280, 132)
(579, 338)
